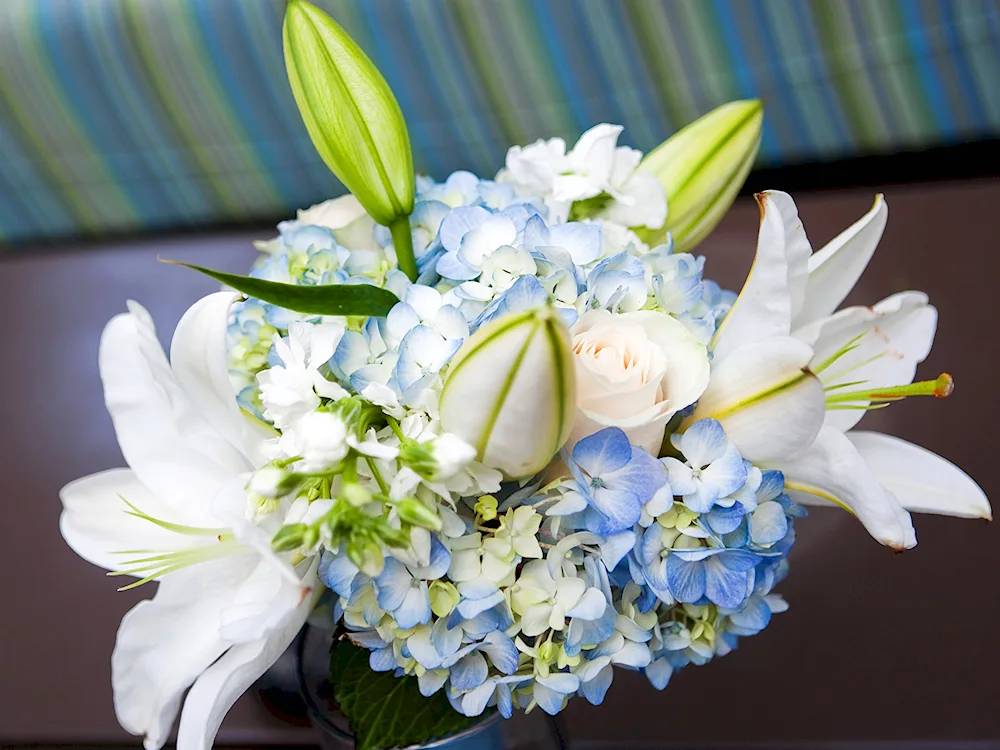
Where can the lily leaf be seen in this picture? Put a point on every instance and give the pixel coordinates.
(325, 299)
(386, 711)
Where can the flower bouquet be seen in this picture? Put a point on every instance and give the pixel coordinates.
(503, 433)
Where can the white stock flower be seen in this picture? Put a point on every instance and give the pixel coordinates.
(634, 371)
(226, 606)
(292, 389)
(319, 437)
(595, 166)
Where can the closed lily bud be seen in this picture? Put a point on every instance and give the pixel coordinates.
(702, 167)
(510, 391)
(350, 112)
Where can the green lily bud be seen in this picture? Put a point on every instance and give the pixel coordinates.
(349, 110)
(510, 391)
(289, 537)
(415, 512)
(702, 167)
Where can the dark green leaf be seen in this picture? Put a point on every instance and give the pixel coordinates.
(328, 299)
(386, 711)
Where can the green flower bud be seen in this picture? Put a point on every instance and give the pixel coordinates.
(510, 391)
(414, 512)
(486, 507)
(355, 494)
(289, 537)
(444, 597)
(349, 110)
(702, 167)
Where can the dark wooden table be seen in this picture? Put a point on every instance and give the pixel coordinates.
(876, 646)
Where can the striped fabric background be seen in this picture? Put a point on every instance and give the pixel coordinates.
(123, 115)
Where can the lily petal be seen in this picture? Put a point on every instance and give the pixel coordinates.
(834, 270)
(890, 339)
(921, 480)
(833, 472)
(218, 688)
(96, 524)
(776, 286)
(198, 359)
(767, 401)
(164, 438)
(166, 642)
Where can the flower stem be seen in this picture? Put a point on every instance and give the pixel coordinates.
(402, 241)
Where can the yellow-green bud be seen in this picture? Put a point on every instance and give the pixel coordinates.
(350, 112)
(510, 391)
(415, 512)
(444, 597)
(289, 537)
(486, 507)
(355, 494)
(702, 167)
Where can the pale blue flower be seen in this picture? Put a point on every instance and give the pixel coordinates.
(675, 280)
(551, 692)
(494, 691)
(713, 468)
(722, 576)
(582, 242)
(617, 284)
(615, 478)
(403, 592)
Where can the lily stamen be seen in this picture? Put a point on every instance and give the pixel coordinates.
(873, 398)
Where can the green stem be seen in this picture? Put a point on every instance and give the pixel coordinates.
(402, 241)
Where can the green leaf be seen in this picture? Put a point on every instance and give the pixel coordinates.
(327, 299)
(385, 711)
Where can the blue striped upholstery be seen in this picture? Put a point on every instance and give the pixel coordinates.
(140, 114)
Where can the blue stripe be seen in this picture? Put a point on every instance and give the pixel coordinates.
(737, 57)
(811, 42)
(613, 111)
(31, 192)
(145, 114)
(940, 106)
(800, 129)
(966, 80)
(560, 61)
(230, 71)
(96, 116)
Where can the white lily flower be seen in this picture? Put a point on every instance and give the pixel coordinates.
(226, 606)
(807, 374)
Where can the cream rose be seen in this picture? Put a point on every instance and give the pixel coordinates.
(634, 371)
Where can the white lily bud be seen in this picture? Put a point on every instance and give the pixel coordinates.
(510, 391)
(272, 482)
(701, 168)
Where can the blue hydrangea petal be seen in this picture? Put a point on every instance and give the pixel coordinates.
(642, 476)
(723, 586)
(603, 452)
(596, 688)
(590, 606)
(459, 222)
(440, 560)
(659, 672)
(727, 473)
(615, 547)
(686, 580)
(340, 575)
(382, 660)
(431, 680)
(768, 523)
(474, 702)
(393, 584)
(415, 609)
(502, 651)
(469, 672)
(725, 520)
(704, 442)
(752, 619)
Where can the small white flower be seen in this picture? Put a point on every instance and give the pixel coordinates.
(452, 454)
(319, 437)
(293, 388)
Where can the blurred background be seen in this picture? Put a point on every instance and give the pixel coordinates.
(132, 129)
